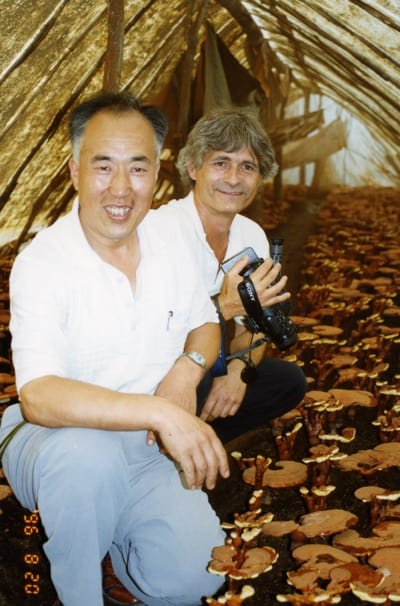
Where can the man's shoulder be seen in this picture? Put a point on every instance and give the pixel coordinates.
(173, 215)
(166, 227)
(47, 236)
(50, 247)
(177, 208)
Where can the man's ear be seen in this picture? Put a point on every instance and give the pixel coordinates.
(192, 172)
(74, 172)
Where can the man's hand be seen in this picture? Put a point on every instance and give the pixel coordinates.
(225, 396)
(262, 278)
(194, 445)
(179, 387)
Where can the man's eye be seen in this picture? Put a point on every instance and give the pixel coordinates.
(249, 168)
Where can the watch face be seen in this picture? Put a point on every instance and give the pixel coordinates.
(197, 358)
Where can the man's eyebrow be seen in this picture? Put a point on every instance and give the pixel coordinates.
(221, 156)
(106, 158)
(226, 156)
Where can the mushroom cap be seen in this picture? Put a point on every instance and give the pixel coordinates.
(321, 452)
(323, 552)
(5, 491)
(323, 491)
(278, 528)
(390, 451)
(231, 598)
(365, 462)
(387, 534)
(288, 473)
(306, 336)
(387, 558)
(325, 330)
(351, 397)
(347, 435)
(318, 597)
(343, 575)
(301, 321)
(256, 561)
(387, 529)
(346, 293)
(343, 359)
(304, 579)
(317, 395)
(369, 594)
(326, 522)
(250, 519)
(7, 378)
(368, 493)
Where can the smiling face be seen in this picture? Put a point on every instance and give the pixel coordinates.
(115, 176)
(226, 182)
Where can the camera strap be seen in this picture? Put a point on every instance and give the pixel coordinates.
(252, 305)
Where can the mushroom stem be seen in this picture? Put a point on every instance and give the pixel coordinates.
(262, 464)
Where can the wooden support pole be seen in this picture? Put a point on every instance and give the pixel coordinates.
(185, 89)
(115, 46)
(186, 81)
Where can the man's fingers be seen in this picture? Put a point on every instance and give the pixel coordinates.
(205, 464)
(188, 469)
(239, 265)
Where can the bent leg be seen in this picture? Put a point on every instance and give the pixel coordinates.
(280, 386)
(77, 480)
(163, 558)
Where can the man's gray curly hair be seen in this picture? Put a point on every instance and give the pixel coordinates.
(226, 130)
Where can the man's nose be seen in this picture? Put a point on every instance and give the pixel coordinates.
(120, 182)
(232, 175)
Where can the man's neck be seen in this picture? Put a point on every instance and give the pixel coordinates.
(124, 255)
(216, 227)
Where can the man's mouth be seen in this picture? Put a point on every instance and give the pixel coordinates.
(234, 193)
(117, 211)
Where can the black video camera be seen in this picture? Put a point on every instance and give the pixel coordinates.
(272, 321)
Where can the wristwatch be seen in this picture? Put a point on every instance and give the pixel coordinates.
(196, 357)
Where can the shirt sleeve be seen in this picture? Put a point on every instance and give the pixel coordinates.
(38, 343)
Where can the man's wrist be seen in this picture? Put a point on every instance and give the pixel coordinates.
(237, 363)
(196, 358)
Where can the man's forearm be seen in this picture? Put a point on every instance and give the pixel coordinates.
(243, 340)
(54, 401)
(206, 340)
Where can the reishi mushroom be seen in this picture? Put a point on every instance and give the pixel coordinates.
(287, 473)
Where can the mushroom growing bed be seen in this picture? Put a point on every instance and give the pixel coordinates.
(321, 527)
(322, 484)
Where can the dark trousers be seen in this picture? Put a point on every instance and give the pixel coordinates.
(280, 386)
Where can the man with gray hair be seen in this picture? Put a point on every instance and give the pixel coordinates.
(227, 158)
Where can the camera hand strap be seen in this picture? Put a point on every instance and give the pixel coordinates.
(251, 304)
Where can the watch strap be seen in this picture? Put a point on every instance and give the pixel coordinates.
(195, 357)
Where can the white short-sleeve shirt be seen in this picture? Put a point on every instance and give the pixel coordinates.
(243, 232)
(74, 315)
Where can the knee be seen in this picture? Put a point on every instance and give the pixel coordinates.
(177, 572)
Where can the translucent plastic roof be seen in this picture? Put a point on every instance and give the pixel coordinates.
(53, 53)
